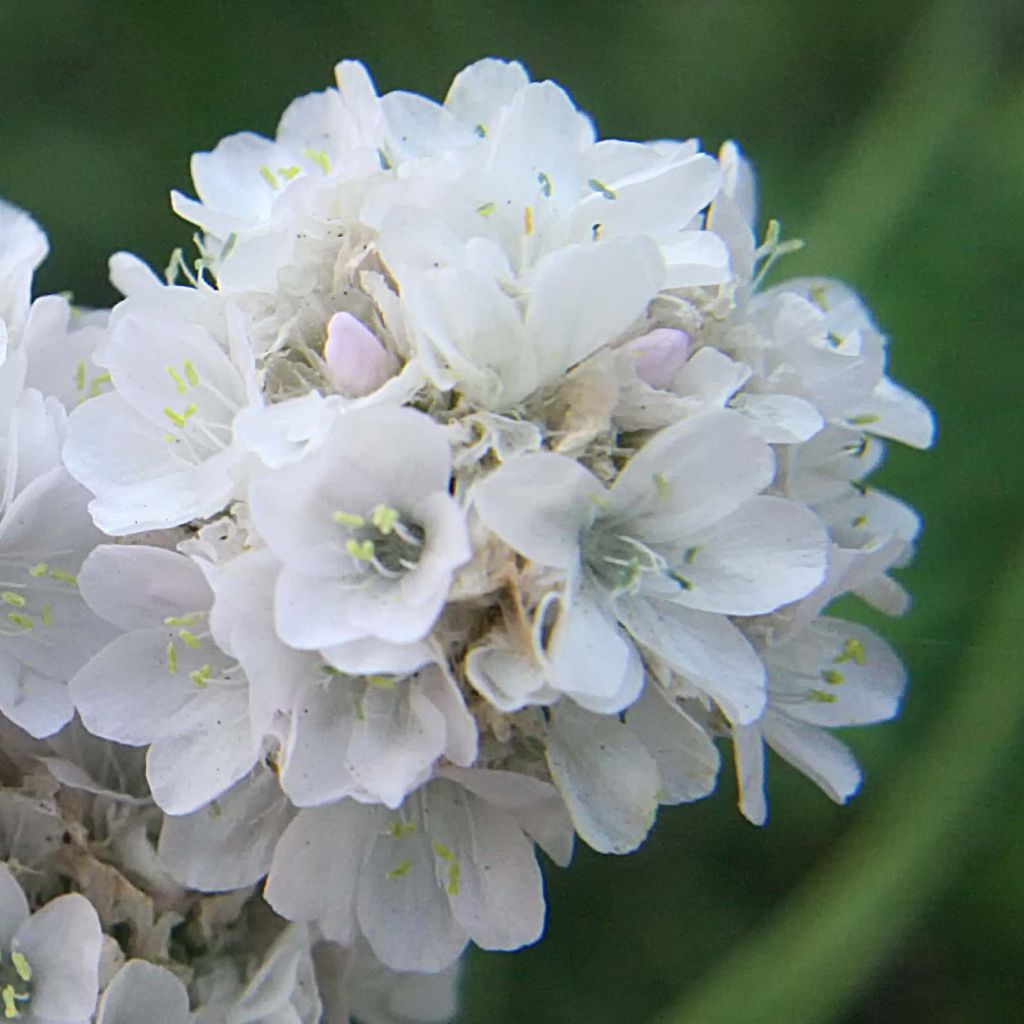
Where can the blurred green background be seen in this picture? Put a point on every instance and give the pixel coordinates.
(888, 135)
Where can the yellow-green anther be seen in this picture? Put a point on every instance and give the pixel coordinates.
(361, 550)
(689, 555)
(528, 221)
(384, 682)
(443, 852)
(454, 875)
(20, 619)
(401, 868)
(863, 420)
(170, 438)
(384, 518)
(600, 186)
(382, 159)
(833, 676)
(545, 184)
(180, 386)
(269, 176)
(819, 296)
(288, 172)
(64, 577)
(595, 232)
(348, 519)
(97, 381)
(853, 650)
(821, 697)
(189, 639)
(320, 158)
(10, 1010)
(401, 829)
(20, 963)
(172, 657)
(859, 521)
(190, 410)
(80, 375)
(190, 373)
(39, 569)
(46, 615)
(661, 485)
(486, 209)
(684, 583)
(201, 676)
(9, 597)
(177, 420)
(189, 619)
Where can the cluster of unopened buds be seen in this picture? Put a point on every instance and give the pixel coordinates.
(466, 495)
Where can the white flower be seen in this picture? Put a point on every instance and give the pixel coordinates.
(157, 450)
(47, 632)
(454, 862)
(367, 531)
(828, 675)
(164, 682)
(50, 968)
(23, 246)
(681, 533)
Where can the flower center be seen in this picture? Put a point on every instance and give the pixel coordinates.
(382, 542)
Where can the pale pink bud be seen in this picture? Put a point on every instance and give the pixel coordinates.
(357, 362)
(659, 355)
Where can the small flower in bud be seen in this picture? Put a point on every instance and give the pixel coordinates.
(357, 362)
(659, 355)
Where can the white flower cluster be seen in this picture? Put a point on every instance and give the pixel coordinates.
(454, 502)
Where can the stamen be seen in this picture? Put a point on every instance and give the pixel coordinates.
(288, 172)
(46, 615)
(9, 597)
(384, 518)
(383, 682)
(528, 221)
(269, 177)
(64, 577)
(401, 829)
(172, 657)
(178, 421)
(201, 676)
(361, 550)
(400, 869)
(21, 965)
(19, 619)
(190, 373)
(319, 157)
(863, 420)
(189, 619)
(189, 639)
(599, 186)
(10, 1010)
(486, 209)
(39, 569)
(80, 375)
(348, 519)
(833, 676)
(853, 650)
(180, 386)
(545, 184)
(821, 697)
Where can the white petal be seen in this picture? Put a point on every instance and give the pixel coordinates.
(538, 504)
(316, 866)
(585, 296)
(767, 553)
(491, 874)
(13, 906)
(479, 91)
(137, 587)
(690, 475)
(38, 704)
(608, 780)
(748, 753)
(228, 844)
(403, 910)
(141, 991)
(687, 759)
(62, 944)
(207, 746)
(815, 752)
(781, 419)
(707, 650)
